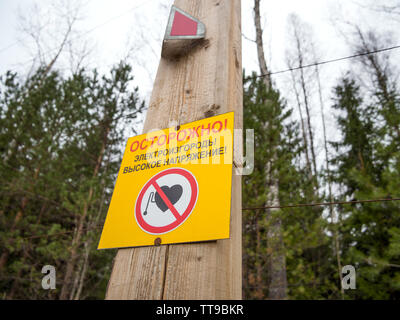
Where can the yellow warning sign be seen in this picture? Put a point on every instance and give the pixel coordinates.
(173, 184)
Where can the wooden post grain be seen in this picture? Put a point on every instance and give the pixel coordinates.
(205, 82)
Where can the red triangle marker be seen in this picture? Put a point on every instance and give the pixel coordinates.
(183, 33)
(183, 26)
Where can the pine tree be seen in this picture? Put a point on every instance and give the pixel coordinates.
(62, 140)
(306, 247)
(364, 171)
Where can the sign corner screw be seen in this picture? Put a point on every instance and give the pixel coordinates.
(157, 241)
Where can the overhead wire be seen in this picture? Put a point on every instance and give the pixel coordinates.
(328, 61)
(257, 76)
(243, 209)
(86, 32)
(264, 75)
(322, 204)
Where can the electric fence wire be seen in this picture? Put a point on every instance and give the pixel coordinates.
(257, 76)
(86, 32)
(322, 204)
(264, 75)
(244, 209)
(327, 61)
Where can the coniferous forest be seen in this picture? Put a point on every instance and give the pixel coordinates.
(61, 141)
(60, 149)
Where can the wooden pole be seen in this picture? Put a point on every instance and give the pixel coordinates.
(205, 82)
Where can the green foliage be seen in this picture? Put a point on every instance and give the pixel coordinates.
(306, 246)
(60, 147)
(61, 141)
(367, 168)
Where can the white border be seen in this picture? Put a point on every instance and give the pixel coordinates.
(195, 202)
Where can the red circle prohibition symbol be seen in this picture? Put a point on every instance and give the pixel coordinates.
(179, 218)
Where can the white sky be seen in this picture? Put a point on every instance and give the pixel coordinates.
(111, 28)
(120, 23)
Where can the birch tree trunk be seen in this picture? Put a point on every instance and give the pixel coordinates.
(301, 54)
(276, 263)
(76, 241)
(303, 130)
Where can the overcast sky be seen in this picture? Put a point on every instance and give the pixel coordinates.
(113, 28)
